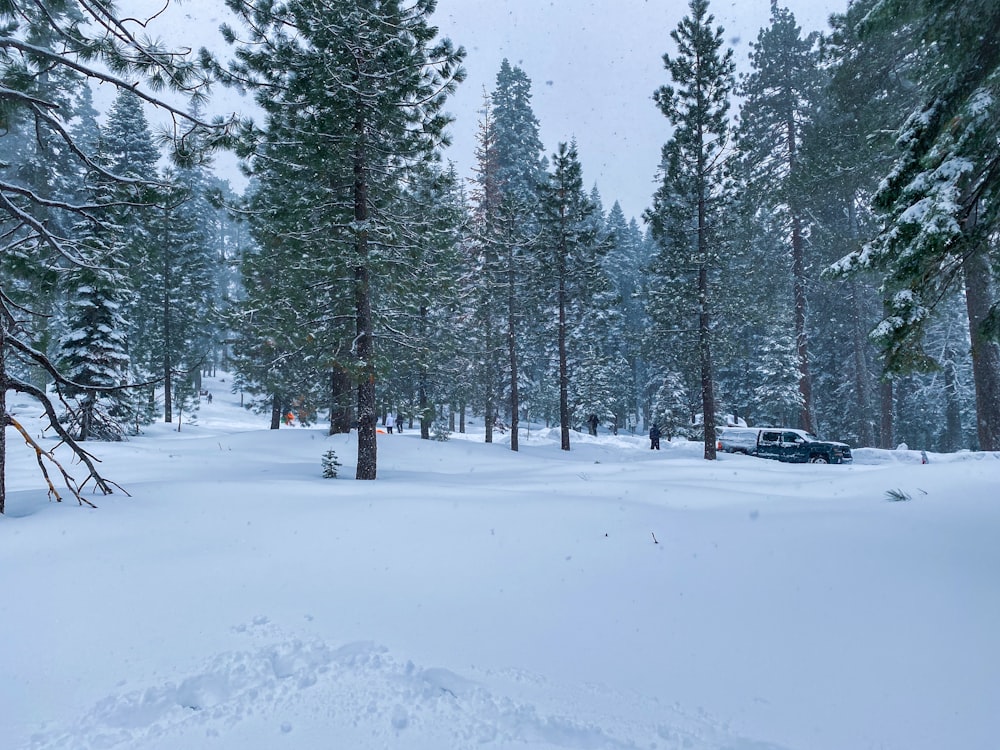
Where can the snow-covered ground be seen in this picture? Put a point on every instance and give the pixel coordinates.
(609, 597)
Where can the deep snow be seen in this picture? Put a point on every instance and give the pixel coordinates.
(474, 597)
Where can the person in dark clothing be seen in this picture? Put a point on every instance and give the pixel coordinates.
(654, 437)
(592, 424)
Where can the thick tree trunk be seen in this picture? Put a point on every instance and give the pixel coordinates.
(365, 338)
(367, 411)
(985, 352)
(425, 409)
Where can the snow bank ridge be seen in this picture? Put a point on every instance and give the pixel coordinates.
(357, 693)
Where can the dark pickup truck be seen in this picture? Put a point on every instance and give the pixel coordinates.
(799, 446)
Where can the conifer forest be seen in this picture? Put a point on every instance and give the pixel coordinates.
(820, 249)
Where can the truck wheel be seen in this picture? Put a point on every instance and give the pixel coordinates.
(818, 459)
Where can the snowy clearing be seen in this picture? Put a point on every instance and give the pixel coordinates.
(610, 597)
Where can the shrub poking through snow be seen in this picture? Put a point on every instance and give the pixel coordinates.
(330, 465)
(897, 496)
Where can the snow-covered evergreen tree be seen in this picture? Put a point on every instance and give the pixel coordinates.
(128, 153)
(626, 257)
(362, 95)
(686, 218)
(93, 352)
(573, 265)
(516, 169)
(778, 97)
(941, 200)
(422, 350)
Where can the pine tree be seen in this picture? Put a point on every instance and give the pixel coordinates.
(572, 258)
(369, 85)
(93, 352)
(182, 284)
(846, 149)
(505, 199)
(627, 257)
(422, 311)
(128, 153)
(285, 323)
(778, 97)
(687, 209)
(484, 275)
(519, 168)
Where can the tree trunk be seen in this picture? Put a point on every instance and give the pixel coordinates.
(168, 410)
(515, 405)
(953, 405)
(799, 286)
(340, 401)
(705, 355)
(365, 339)
(275, 411)
(563, 357)
(489, 376)
(168, 406)
(985, 352)
(425, 410)
(801, 337)
(705, 321)
(862, 378)
(87, 406)
(887, 432)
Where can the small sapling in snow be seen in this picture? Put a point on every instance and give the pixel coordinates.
(330, 464)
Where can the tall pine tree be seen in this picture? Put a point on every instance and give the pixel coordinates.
(686, 215)
(779, 95)
(572, 257)
(369, 83)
